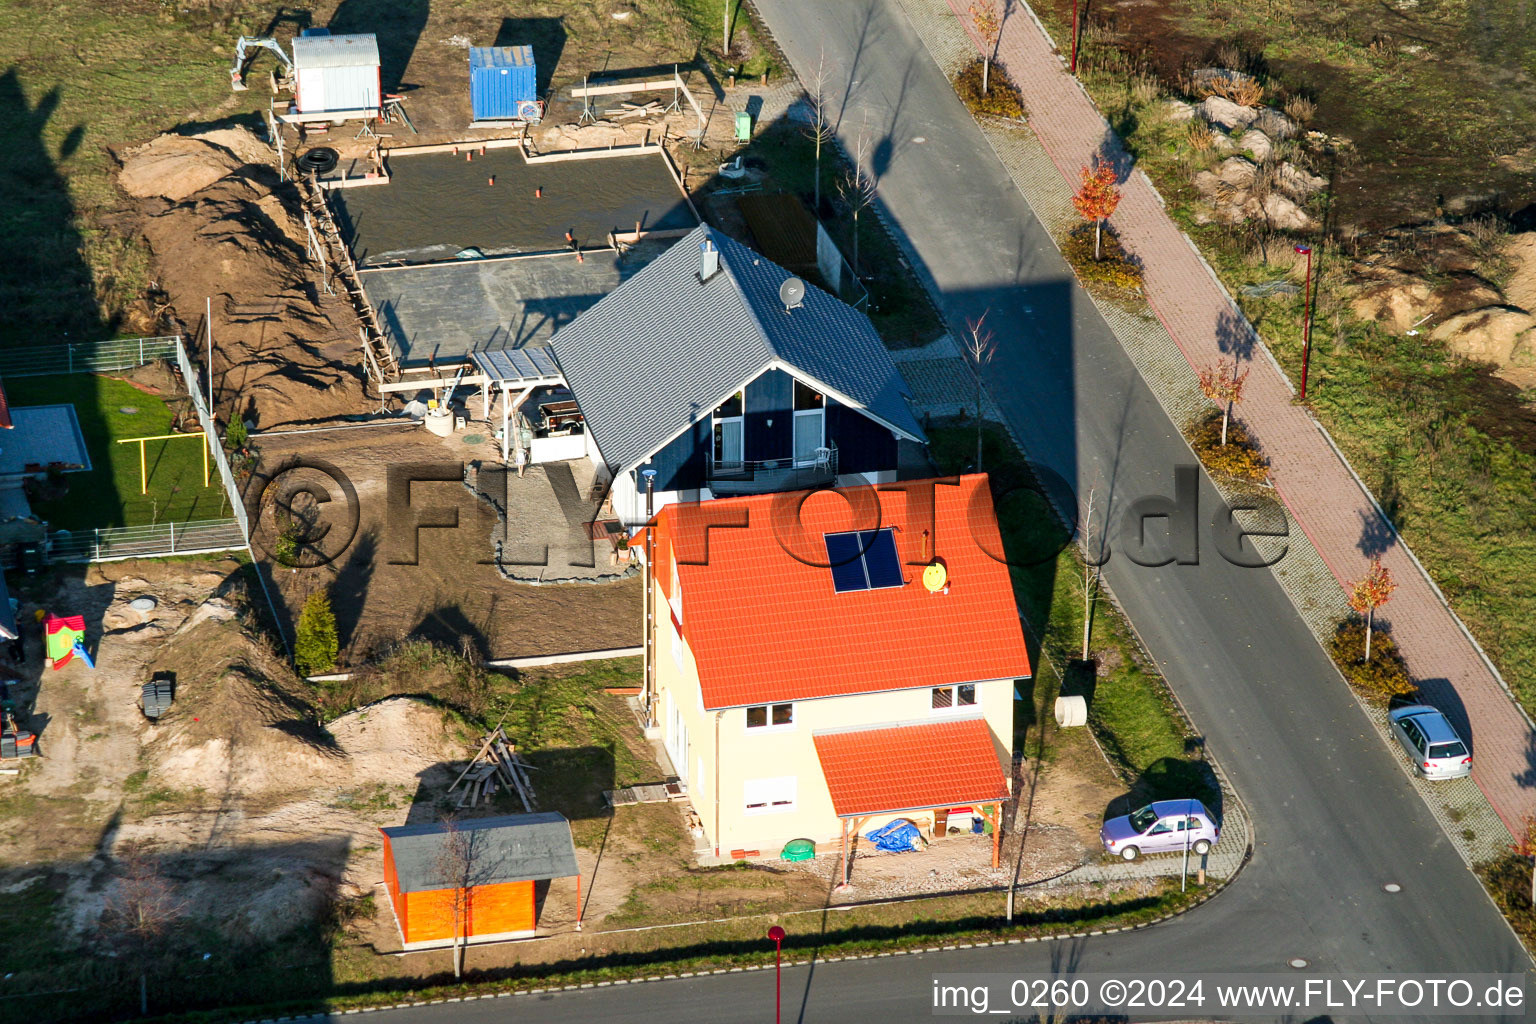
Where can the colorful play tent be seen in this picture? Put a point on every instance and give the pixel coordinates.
(66, 639)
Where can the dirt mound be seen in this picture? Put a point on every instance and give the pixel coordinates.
(1499, 335)
(175, 166)
(1520, 290)
(397, 738)
(285, 351)
(234, 728)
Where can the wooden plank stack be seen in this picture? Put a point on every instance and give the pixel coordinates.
(495, 767)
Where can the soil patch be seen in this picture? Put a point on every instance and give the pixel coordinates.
(390, 582)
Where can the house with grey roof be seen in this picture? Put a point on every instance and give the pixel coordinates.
(711, 371)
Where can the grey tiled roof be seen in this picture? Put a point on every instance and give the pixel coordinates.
(513, 848)
(664, 349)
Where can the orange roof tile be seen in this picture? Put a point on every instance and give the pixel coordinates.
(911, 767)
(764, 623)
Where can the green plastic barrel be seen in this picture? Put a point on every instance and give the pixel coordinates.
(798, 849)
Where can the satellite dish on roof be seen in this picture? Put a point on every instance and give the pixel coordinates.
(792, 293)
(935, 577)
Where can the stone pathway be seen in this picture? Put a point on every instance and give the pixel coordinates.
(1336, 516)
(542, 535)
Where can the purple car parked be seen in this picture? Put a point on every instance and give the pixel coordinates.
(1168, 826)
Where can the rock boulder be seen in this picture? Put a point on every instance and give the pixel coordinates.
(1224, 115)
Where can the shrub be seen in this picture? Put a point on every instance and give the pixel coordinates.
(315, 647)
(1383, 677)
(1508, 880)
(1115, 269)
(236, 434)
(1002, 98)
(1300, 109)
(1239, 457)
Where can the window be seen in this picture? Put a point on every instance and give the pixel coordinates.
(864, 560)
(807, 398)
(770, 716)
(727, 427)
(1163, 827)
(770, 796)
(948, 698)
(1447, 750)
(1415, 734)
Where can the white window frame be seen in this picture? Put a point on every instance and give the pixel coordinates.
(675, 597)
(754, 730)
(677, 649)
(777, 795)
(954, 706)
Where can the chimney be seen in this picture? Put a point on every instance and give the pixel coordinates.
(709, 260)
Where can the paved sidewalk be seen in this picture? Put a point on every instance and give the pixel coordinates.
(1318, 487)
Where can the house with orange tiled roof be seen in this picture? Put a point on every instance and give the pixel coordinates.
(823, 662)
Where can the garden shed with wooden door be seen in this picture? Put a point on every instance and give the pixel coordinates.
(478, 878)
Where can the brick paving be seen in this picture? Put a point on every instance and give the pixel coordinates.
(1326, 500)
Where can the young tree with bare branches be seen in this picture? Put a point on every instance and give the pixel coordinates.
(988, 24)
(1096, 199)
(818, 122)
(1225, 388)
(1525, 846)
(140, 911)
(979, 345)
(1092, 564)
(459, 868)
(1370, 592)
(858, 184)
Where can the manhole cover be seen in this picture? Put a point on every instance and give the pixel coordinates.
(1297, 962)
(128, 410)
(1392, 887)
(474, 438)
(143, 604)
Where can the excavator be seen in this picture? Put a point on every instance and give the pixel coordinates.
(245, 55)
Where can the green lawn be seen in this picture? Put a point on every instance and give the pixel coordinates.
(109, 494)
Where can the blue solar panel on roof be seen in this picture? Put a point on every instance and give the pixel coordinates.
(844, 553)
(880, 560)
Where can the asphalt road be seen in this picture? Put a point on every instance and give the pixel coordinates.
(1333, 815)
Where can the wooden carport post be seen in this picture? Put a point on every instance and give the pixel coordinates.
(997, 830)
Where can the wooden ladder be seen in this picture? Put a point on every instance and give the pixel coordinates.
(378, 358)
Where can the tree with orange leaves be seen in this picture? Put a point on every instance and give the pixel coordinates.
(987, 23)
(1096, 199)
(1370, 592)
(1225, 388)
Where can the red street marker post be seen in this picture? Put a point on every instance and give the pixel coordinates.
(1306, 321)
(1074, 37)
(777, 934)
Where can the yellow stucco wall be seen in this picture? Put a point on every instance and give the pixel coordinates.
(759, 754)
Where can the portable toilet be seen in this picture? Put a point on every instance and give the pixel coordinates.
(337, 74)
(503, 83)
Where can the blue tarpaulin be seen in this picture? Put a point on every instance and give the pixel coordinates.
(897, 836)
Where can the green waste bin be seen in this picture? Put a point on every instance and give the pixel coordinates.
(743, 126)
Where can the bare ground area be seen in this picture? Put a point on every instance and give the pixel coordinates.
(389, 582)
(238, 795)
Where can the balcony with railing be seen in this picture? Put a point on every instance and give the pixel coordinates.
(766, 476)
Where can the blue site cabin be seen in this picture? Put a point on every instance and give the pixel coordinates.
(503, 83)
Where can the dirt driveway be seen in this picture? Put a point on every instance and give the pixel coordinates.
(389, 581)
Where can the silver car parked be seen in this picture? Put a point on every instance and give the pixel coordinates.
(1168, 826)
(1430, 742)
